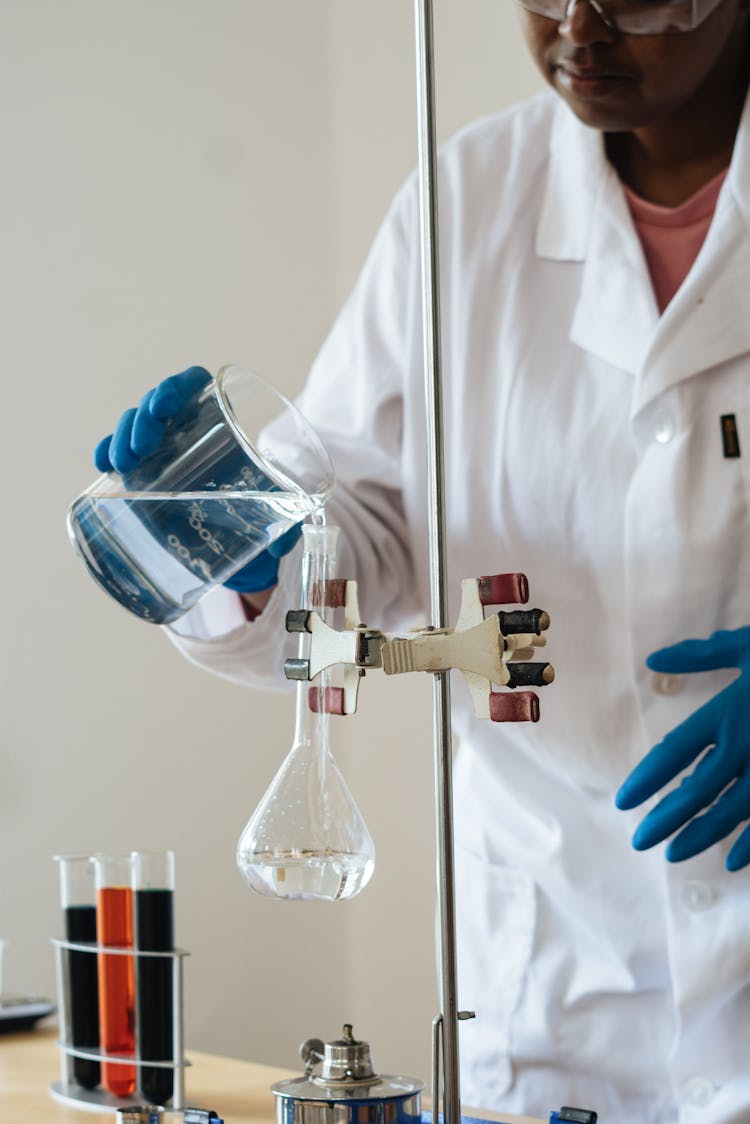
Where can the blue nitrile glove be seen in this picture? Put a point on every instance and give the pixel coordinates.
(715, 798)
(263, 571)
(138, 434)
(139, 431)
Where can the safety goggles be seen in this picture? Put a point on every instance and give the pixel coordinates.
(633, 17)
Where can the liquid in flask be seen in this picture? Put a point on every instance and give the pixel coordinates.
(307, 839)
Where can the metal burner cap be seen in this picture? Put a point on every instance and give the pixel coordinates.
(347, 1090)
(346, 1060)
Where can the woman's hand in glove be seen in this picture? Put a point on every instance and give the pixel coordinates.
(139, 433)
(715, 798)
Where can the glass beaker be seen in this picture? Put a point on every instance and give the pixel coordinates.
(114, 928)
(237, 467)
(307, 839)
(78, 900)
(153, 886)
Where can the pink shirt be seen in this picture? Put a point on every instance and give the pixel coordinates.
(672, 236)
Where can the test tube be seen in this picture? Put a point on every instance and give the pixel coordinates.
(153, 882)
(78, 900)
(114, 928)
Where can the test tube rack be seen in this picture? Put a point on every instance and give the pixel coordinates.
(67, 1090)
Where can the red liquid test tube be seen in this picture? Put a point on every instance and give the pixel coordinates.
(114, 928)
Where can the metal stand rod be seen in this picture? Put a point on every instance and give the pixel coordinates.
(437, 556)
(178, 1032)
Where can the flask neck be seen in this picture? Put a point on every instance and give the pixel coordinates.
(318, 568)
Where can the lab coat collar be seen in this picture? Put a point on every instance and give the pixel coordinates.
(707, 322)
(585, 219)
(577, 166)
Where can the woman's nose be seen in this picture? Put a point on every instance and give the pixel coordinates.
(586, 22)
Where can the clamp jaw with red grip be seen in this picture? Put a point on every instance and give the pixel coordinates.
(497, 649)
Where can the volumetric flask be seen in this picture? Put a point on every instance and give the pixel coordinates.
(153, 884)
(78, 900)
(114, 928)
(237, 467)
(307, 838)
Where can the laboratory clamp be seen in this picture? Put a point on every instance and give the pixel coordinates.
(120, 983)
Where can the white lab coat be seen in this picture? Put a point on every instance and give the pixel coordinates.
(583, 445)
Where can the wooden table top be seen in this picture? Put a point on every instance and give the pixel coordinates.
(240, 1092)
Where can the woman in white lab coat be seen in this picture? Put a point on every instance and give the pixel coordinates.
(584, 445)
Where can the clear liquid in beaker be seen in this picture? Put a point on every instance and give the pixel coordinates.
(308, 875)
(157, 553)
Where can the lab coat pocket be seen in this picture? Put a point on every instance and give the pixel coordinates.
(496, 910)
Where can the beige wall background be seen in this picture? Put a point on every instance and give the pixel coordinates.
(185, 182)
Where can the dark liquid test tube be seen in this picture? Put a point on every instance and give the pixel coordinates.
(80, 926)
(78, 897)
(153, 881)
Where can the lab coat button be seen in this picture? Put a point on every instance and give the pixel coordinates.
(697, 896)
(664, 684)
(700, 1091)
(662, 427)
